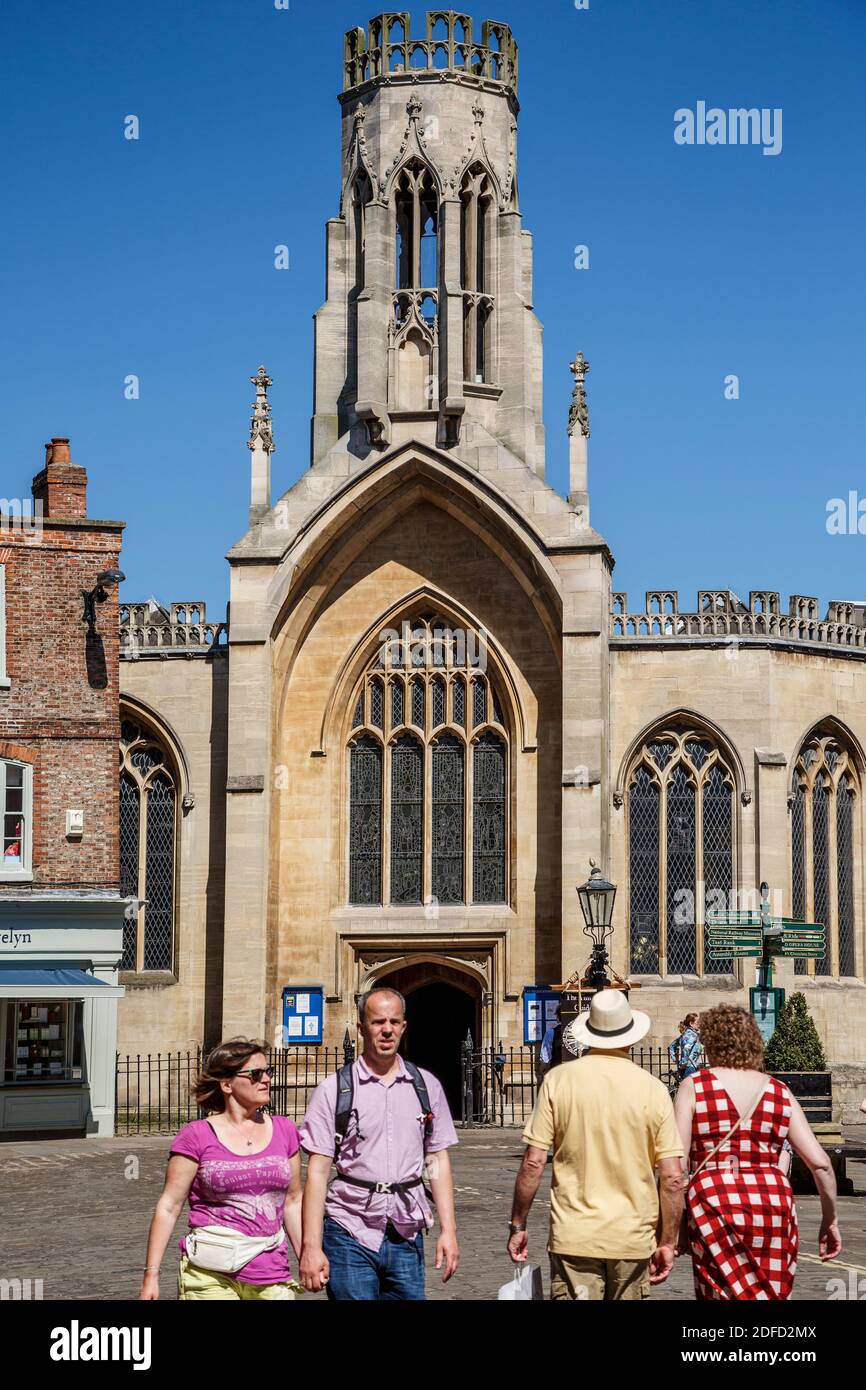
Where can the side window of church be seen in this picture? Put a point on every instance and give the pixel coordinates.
(823, 803)
(16, 797)
(680, 811)
(148, 834)
(428, 777)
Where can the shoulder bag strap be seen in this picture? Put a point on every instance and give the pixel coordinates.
(743, 1119)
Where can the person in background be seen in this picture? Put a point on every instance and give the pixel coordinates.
(551, 1046)
(733, 1121)
(685, 1051)
(241, 1171)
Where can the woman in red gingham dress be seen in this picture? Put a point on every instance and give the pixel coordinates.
(742, 1223)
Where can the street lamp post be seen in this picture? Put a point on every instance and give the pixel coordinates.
(596, 902)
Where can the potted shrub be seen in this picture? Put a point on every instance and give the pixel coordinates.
(795, 1055)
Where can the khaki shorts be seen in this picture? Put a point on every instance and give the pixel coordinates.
(194, 1283)
(580, 1277)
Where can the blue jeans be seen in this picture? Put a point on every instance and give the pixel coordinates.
(393, 1272)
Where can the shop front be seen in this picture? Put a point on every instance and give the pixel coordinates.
(59, 960)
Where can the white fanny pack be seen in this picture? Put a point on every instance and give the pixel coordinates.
(225, 1251)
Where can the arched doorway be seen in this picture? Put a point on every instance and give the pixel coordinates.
(443, 1004)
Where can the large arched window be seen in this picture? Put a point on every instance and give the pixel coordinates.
(148, 833)
(823, 802)
(680, 818)
(428, 774)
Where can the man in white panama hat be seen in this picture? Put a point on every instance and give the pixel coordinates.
(611, 1125)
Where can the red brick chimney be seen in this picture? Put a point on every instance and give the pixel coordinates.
(61, 487)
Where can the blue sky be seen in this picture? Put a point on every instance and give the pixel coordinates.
(155, 257)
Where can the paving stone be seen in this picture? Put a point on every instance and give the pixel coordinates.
(76, 1213)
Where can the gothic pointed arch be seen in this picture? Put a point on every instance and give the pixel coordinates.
(151, 797)
(680, 786)
(414, 152)
(456, 623)
(825, 807)
(346, 523)
(684, 715)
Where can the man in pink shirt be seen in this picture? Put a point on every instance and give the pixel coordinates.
(363, 1237)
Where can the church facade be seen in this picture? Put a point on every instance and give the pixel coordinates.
(430, 707)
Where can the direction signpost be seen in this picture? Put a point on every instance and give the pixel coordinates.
(757, 935)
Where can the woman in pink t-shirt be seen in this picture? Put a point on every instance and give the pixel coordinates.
(240, 1170)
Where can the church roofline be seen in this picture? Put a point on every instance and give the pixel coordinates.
(723, 619)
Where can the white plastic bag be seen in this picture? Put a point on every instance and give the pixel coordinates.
(525, 1287)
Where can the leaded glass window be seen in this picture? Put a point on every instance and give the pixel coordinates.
(681, 838)
(407, 821)
(377, 705)
(438, 703)
(365, 824)
(418, 704)
(448, 819)
(681, 873)
(397, 701)
(130, 821)
(148, 847)
(460, 703)
(845, 865)
(488, 866)
(160, 874)
(479, 702)
(428, 805)
(718, 850)
(824, 815)
(821, 861)
(644, 872)
(798, 861)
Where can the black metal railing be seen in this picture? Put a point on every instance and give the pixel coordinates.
(499, 1085)
(153, 1092)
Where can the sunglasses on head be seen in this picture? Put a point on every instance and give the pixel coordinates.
(256, 1073)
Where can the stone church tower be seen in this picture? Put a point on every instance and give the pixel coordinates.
(428, 711)
(402, 813)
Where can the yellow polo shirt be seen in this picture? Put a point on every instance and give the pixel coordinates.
(609, 1122)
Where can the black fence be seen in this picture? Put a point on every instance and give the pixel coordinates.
(153, 1092)
(499, 1085)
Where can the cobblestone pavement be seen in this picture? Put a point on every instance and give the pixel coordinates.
(75, 1214)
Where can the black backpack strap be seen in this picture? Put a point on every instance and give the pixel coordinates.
(421, 1091)
(343, 1110)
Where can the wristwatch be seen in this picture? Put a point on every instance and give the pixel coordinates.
(514, 1229)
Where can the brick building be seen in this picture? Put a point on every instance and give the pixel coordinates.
(61, 916)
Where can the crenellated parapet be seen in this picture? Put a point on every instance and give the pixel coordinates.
(387, 49)
(151, 630)
(721, 614)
